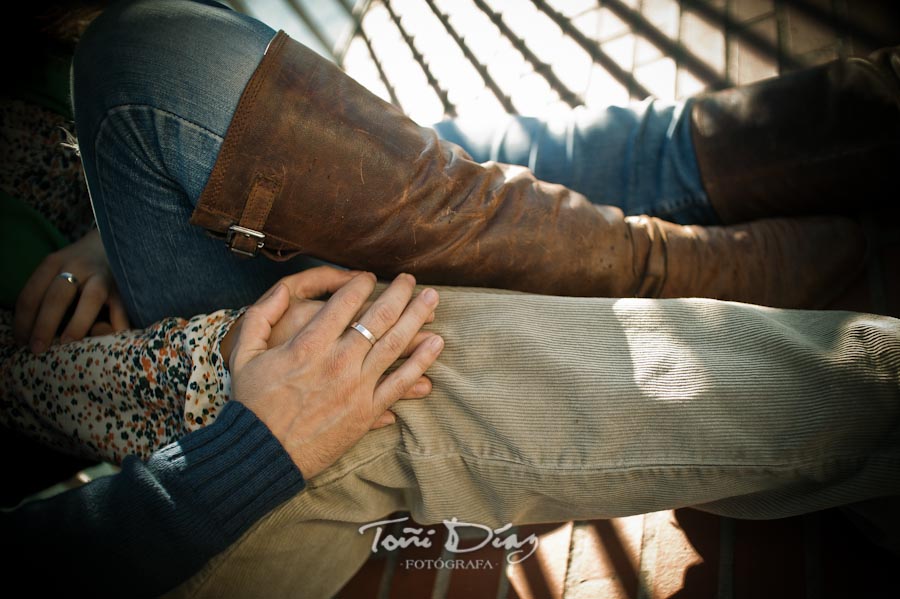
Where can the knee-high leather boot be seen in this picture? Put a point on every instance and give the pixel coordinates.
(313, 163)
(824, 140)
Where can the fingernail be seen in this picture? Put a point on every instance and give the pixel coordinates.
(430, 296)
(38, 346)
(436, 343)
(421, 388)
(65, 339)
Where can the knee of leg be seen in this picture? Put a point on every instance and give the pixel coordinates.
(138, 51)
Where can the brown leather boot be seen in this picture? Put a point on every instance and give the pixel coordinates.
(823, 140)
(313, 163)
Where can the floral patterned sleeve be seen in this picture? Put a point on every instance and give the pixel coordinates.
(128, 393)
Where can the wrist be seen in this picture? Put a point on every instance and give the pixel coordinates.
(226, 346)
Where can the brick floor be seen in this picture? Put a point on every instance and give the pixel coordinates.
(680, 554)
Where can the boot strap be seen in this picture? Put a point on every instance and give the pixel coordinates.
(246, 237)
(236, 203)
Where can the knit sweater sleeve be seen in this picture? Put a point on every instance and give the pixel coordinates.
(154, 524)
(129, 393)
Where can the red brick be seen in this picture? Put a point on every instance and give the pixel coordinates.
(688, 560)
(479, 582)
(416, 582)
(366, 582)
(604, 559)
(543, 575)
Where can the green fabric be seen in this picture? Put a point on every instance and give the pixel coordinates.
(27, 239)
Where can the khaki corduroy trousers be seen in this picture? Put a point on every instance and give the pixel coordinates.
(548, 409)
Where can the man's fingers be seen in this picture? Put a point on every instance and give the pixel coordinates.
(368, 305)
(256, 326)
(53, 307)
(337, 313)
(386, 419)
(93, 297)
(419, 389)
(386, 310)
(391, 345)
(393, 387)
(29, 300)
(419, 338)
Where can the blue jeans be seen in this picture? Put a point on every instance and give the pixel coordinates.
(639, 158)
(155, 85)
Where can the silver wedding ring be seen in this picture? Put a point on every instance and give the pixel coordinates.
(69, 277)
(364, 332)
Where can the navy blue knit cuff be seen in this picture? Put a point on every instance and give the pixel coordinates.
(235, 469)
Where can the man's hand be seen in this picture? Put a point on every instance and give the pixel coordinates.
(313, 283)
(46, 297)
(320, 391)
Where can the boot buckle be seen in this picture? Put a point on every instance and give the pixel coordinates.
(236, 232)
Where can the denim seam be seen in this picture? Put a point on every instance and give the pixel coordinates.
(101, 130)
(119, 108)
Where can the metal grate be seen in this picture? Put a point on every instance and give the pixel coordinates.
(439, 58)
(436, 58)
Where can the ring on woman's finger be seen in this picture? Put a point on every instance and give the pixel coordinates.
(359, 328)
(69, 277)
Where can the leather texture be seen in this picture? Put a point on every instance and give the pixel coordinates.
(824, 140)
(323, 167)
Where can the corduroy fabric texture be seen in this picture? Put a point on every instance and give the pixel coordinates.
(547, 409)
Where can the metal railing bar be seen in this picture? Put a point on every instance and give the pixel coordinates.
(684, 57)
(449, 108)
(482, 70)
(732, 28)
(545, 70)
(782, 31)
(312, 26)
(381, 74)
(356, 13)
(633, 86)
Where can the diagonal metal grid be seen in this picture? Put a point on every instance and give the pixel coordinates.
(441, 58)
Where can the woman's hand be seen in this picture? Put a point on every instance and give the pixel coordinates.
(42, 304)
(320, 391)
